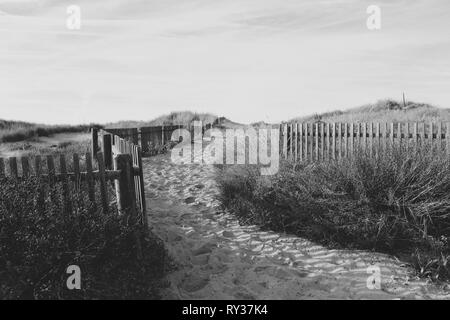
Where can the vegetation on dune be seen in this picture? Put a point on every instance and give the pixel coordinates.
(36, 247)
(185, 117)
(396, 202)
(28, 148)
(173, 118)
(13, 131)
(16, 131)
(384, 111)
(7, 125)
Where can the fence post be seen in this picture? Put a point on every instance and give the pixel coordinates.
(38, 170)
(439, 137)
(94, 132)
(65, 182)
(76, 170)
(316, 131)
(291, 141)
(351, 147)
(300, 130)
(447, 136)
(125, 185)
(296, 141)
(333, 141)
(13, 167)
(322, 141)
(328, 126)
(103, 187)
(391, 135)
(306, 147)
(422, 134)
(284, 141)
(139, 133)
(90, 181)
(339, 140)
(2, 167)
(126, 200)
(345, 141)
(141, 189)
(107, 150)
(378, 138)
(430, 137)
(25, 166)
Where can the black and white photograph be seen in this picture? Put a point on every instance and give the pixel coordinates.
(223, 154)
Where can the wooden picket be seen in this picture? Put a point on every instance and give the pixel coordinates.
(330, 141)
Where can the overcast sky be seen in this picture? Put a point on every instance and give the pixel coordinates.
(248, 60)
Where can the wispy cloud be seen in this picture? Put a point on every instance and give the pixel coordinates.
(246, 59)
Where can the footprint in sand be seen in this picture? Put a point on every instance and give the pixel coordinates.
(189, 200)
(220, 259)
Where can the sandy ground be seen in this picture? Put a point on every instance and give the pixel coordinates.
(218, 258)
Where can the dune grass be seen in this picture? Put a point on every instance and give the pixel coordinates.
(397, 202)
(387, 110)
(12, 131)
(173, 118)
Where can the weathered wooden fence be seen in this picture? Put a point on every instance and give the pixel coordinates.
(149, 137)
(75, 174)
(325, 141)
(129, 134)
(119, 152)
(155, 136)
(135, 142)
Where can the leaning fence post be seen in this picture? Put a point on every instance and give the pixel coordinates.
(125, 184)
(94, 132)
(141, 189)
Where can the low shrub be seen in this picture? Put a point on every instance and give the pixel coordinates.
(37, 246)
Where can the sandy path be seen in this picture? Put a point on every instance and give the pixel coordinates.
(220, 259)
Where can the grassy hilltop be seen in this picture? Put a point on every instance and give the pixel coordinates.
(13, 131)
(173, 118)
(384, 111)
